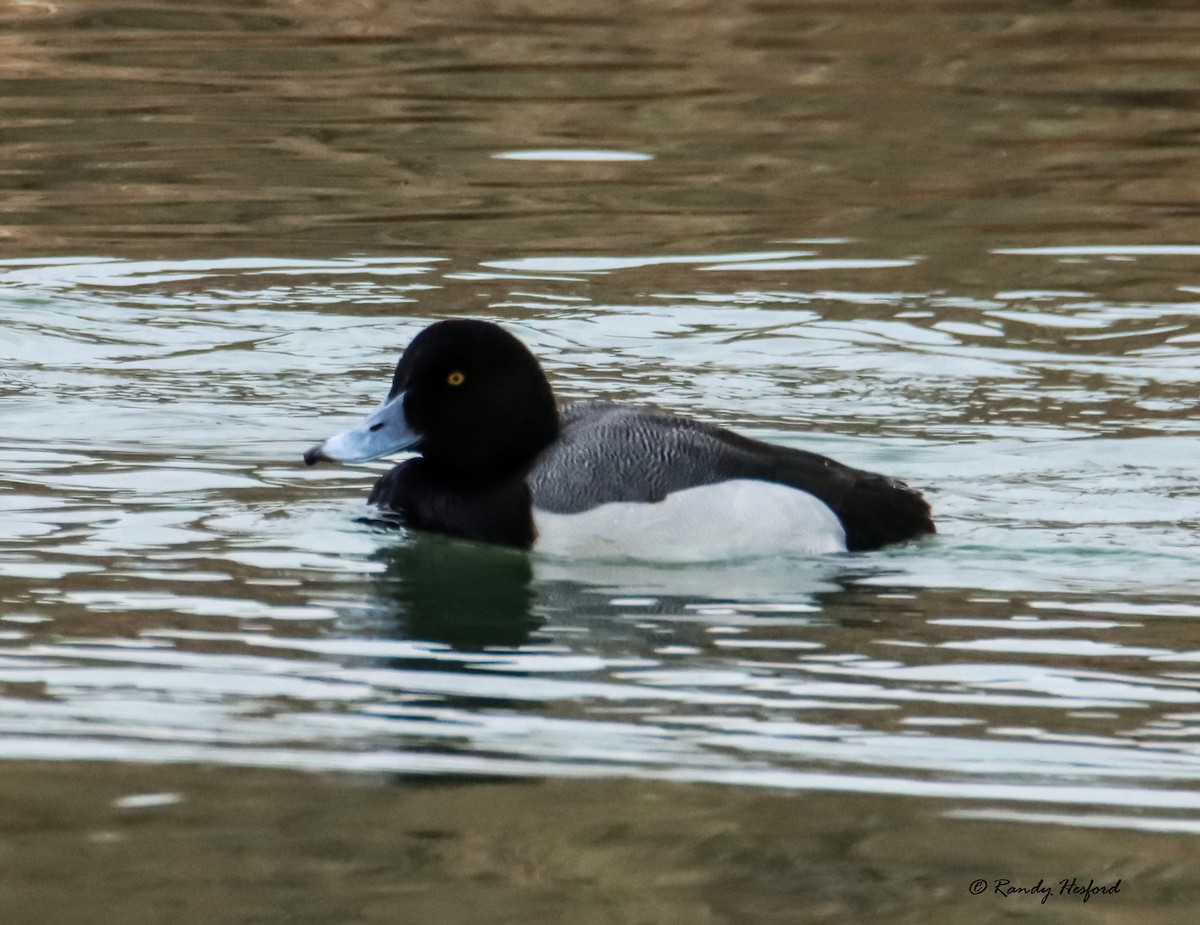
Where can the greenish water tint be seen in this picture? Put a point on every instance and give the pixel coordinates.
(955, 244)
(163, 544)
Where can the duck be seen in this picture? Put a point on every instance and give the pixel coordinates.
(498, 459)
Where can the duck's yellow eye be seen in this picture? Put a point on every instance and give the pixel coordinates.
(456, 378)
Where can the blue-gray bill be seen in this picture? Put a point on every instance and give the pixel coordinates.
(383, 432)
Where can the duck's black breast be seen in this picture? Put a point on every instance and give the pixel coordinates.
(488, 511)
(607, 452)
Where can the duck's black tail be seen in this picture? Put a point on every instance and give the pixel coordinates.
(874, 510)
(877, 511)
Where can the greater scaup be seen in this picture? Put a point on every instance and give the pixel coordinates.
(500, 462)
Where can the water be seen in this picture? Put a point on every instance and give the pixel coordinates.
(953, 246)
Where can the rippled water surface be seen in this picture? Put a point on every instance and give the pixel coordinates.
(956, 244)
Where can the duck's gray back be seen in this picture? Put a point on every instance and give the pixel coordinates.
(608, 452)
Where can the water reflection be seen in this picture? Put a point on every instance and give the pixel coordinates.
(469, 596)
(473, 596)
(160, 538)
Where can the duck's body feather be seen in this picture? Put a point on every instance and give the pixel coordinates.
(608, 452)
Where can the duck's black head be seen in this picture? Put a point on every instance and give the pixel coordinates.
(466, 395)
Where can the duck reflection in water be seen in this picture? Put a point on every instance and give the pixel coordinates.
(469, 596)
(474, 596)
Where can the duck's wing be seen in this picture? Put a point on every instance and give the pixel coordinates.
(608, 452)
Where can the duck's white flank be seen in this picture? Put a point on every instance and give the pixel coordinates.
(729, 520)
